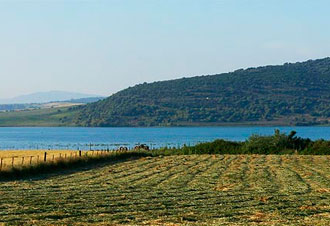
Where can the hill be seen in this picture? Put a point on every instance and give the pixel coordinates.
(44, 97)
(290, 94)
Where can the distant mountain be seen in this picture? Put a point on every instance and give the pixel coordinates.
(290, 94)
(72, 102)
(45, 97)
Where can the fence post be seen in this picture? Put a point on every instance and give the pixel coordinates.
(31, 159)
(79, 153)
(1, 164)
(45, 157)
(22, 160)
(12, 161)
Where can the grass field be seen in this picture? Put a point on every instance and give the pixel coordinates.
(174, 190)
(40, 117)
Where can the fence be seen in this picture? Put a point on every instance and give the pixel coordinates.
(50, 156)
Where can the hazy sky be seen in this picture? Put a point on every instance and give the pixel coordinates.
(100, 47)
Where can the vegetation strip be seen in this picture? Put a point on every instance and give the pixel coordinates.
(279, 143)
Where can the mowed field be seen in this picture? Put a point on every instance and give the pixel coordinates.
(176, 190)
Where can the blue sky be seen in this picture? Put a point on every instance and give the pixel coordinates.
(101, 47)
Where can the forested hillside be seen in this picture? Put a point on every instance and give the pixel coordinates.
(291, 94)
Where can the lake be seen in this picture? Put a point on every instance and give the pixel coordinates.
(102, 138)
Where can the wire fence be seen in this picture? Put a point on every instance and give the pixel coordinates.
(28, 160)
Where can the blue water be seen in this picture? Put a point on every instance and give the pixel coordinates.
(102, 138)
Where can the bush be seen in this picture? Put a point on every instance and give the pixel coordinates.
(278, 143)
(318, 147)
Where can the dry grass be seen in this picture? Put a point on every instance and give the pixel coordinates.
(20, 153)
(21, 158)
(33, 156)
